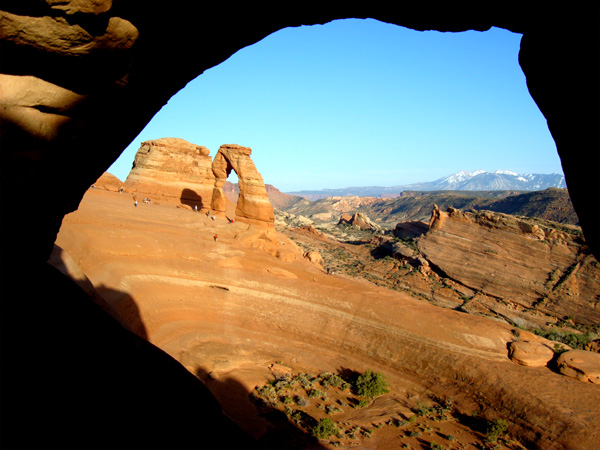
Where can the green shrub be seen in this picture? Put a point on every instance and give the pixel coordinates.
(496, 429)
(324, 428)
(573, 340)
(370, 384)
(314, 393)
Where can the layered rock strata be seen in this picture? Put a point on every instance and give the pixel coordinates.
(253, 204)
(173, 169)
(526, 265)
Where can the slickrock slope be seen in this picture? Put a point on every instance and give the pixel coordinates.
(527, 266)
(253, 204)
(172, 169)
(108, 182)
(227, 310)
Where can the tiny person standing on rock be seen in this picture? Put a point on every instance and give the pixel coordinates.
(216, 237)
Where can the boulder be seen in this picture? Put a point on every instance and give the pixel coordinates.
(531, 354)
(253, 204)
(580, 364)
(315, 258)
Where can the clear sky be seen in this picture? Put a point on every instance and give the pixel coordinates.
(364, 103)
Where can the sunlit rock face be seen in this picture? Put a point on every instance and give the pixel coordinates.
(253, 204)
(529, 268)
(174, 170)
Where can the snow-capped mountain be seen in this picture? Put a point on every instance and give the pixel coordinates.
(480, 180)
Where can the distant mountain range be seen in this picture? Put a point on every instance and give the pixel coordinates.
(478, 180)
(550, 204)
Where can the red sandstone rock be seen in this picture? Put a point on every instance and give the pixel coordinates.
(253, 203)
(520, 263)
(108, 182)
(174, 170)
(580, 364)
(531, 354)
(315, 258)
(358, 220)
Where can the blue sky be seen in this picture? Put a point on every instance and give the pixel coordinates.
(364, 103)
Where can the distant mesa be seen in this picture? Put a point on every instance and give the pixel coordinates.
(175, 170)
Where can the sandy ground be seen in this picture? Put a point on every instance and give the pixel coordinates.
(227, 311)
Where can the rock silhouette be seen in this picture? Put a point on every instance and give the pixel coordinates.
(79, 81)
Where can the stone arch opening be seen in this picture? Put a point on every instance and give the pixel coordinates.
(253, 204)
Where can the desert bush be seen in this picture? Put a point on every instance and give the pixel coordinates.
(267, 391)
(330, 409)
(301, 401)
(324, 428)
(370, 384)
(314, 393)
(496, 429)
(332, 379)
(573, 340)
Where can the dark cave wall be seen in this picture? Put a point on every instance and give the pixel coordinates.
(101, 90)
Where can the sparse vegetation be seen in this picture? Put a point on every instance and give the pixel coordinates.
(324, 428)
(370, 384)
(496, 429)
(573, 340)
(324, 419)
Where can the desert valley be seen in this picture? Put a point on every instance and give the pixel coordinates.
(482, 326)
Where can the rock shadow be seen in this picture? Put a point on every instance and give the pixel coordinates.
(191, 198)
(122, 307)
(81, 380)
(119, 305)
(280, 432)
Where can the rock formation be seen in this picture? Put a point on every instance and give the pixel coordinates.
(580, 364)
(410, 230)
(253, 204)
(525, 264)
(531, 354)
(108, 182)
(174, 170)
(358, 220)
(315, 258)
